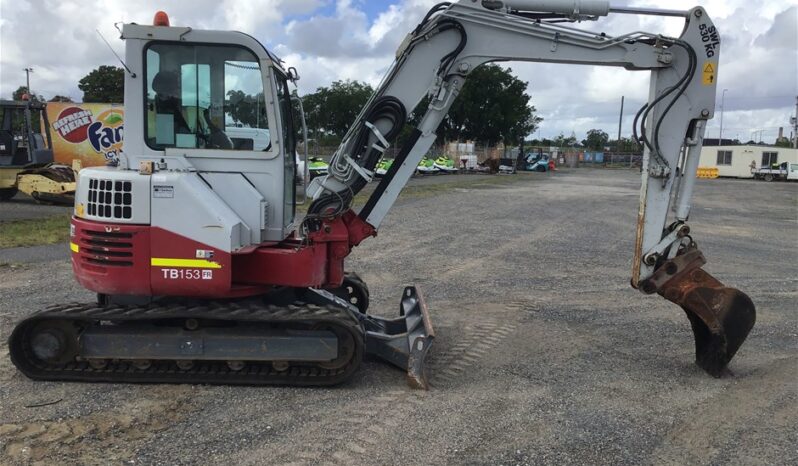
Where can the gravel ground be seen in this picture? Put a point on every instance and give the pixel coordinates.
(23, 206)
(544, 354)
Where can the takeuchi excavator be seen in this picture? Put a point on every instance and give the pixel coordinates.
(205, 274)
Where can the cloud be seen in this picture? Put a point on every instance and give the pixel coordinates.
(329, 40)
(348, 34)
(255, 14)
(783, 33)
(58, 39)
(758, 66)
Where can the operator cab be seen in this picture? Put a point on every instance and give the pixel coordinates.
(216, 104)
(20, 143)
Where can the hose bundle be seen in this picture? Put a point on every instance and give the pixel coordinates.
(384, 109)
(642, 114)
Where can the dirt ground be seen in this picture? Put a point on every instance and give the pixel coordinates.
(544, 354)
(23, 206)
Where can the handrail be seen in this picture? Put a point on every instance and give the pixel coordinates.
(306, 172)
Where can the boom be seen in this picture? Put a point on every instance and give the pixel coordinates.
(453, 39)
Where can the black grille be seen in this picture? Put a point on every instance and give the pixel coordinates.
(110, 199)
(107, 248)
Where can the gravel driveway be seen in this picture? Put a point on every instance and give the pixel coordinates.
(544, 355)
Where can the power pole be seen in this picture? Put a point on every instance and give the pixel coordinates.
(28, 71)
(620, 121)
(722, 107)
(794, 121)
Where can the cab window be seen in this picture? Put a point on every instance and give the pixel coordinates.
(289, 143)
(205, 97)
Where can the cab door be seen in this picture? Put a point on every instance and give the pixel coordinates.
(218, 108)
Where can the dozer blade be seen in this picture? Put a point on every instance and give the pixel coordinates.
(721, 317)
(405, 340)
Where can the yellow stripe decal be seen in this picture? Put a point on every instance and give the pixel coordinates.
(74, 247)
(198, 263)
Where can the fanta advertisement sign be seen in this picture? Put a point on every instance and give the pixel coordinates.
(93, 133)
(105, 134)
(72, 123)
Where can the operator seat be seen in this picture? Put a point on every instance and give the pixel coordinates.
(8, 147)
(168, 99)
(40, 154)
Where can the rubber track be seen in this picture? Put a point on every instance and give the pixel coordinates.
(205, 372)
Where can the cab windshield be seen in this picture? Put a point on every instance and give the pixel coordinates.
(205, 97)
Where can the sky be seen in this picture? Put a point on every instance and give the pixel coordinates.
(328, 40)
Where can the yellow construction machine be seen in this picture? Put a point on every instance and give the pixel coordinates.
(26, 155)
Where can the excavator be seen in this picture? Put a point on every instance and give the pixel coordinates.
(203, 271)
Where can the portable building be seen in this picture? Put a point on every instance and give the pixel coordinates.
(740, 161)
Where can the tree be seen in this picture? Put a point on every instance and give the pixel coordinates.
(17, 95)
(627, 145)
(104, 84)
(61, 98)
(330, 111)
(246, 109)
(21, 91)
(539, 142)
(596, 139)
(562, 141)
(492, 106)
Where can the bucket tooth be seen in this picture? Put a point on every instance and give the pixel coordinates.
(721, 316)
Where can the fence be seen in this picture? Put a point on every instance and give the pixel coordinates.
(585, 158)
(483, 153)
(611, 160)
(325, 152)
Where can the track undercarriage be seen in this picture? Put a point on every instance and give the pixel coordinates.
(290, 337)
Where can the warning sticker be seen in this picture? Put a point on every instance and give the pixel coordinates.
(163, 191)
(708, 77)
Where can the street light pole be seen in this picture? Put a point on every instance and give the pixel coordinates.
(722, 107)
(794, 121)
(28, 71)
(620, 121)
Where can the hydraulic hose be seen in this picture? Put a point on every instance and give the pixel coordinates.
(385, 108)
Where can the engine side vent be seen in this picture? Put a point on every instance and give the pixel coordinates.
(110, 199)
(106, 248)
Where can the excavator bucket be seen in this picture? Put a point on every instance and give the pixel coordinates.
(721, 317)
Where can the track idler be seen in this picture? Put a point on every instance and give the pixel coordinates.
(721, 317)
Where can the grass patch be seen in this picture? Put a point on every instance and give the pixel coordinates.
(34, 232)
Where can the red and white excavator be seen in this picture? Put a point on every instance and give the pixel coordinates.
(203, 271)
